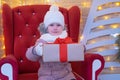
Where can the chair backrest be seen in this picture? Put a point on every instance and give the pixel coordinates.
(20, 30)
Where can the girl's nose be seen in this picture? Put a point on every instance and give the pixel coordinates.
(55, 27)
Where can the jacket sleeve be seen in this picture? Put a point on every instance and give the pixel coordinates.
(31, 56)
(30, 53)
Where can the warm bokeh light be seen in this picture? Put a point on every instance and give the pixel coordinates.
(101, 27)
(117, 3)
(99, 8)
(106, 17)
(3, 47)
(114, 26)
(2, 37)
(108, 58)
(2, 1)
(3, 56)
(99, 50)
(86, 4)
(111, 68)
(92, 42)
(47, 0)
(81, 38)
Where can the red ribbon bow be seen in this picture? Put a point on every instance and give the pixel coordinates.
(63, 47)
(63, 40)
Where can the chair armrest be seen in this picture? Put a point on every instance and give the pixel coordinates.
(95, 61)
(90, 67)
(8, 68)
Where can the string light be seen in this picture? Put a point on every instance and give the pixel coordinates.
(85, 4)
(117, 3)
(114, 26)
(3, 56)
(3, 47)
(106, 17)
(99, 50)
(111, 68)
(101, 27)
(81, 37)
(48, 1)
(108, 58)
(2, 38)
(92, 42)
(2, 1)
(99, 8)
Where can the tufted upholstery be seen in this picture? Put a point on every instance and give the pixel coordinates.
(20, 32)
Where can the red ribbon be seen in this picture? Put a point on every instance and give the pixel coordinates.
(63, 53)
(63, 47)
(63, 40)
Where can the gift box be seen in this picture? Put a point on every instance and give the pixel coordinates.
(63, 52)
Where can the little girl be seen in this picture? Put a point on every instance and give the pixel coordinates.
(53, 28)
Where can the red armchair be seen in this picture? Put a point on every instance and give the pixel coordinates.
(20, 32)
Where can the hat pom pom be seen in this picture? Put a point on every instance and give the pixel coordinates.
(54, 8)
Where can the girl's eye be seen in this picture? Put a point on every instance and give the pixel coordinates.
(54, 25)
(51, 24)
(58, 25)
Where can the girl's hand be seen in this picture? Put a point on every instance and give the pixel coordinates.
(38, 49)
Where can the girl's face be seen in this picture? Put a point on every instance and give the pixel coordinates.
(55, 29)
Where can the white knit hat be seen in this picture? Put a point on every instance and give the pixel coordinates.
(53, 16)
